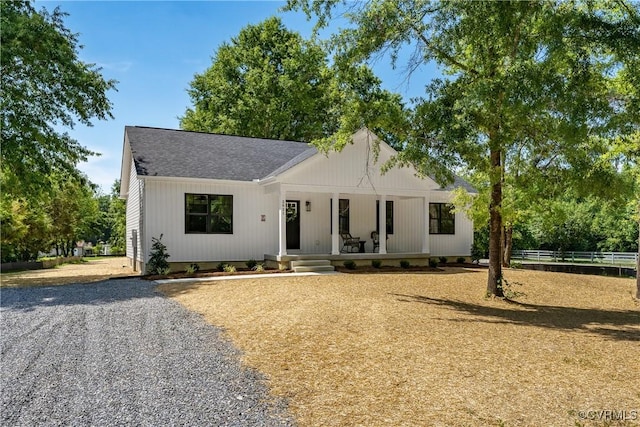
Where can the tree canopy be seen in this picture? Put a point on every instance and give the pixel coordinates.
(269, 82)
(541, 83)
(45, 87)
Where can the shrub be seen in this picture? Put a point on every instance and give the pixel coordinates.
(228, 268)
(164, 271)
(376, 263)
(220, 266)
(258, 267)
(404, 263)
(158, 258)
(350, 264)
(461, 260)
(433, 263)
(192, 268)
(477, 253)
(515, 264)
(443, 259)
(509, 291)
(251, 264)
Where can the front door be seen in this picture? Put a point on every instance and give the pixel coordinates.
(293, 224)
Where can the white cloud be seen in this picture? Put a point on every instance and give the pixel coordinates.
(102, 170)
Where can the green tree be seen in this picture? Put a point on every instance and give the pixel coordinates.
(269, 82)
(25, 226)
(44, 86)
(117, 220)
(536, 78)
(74, 213)
(626, 151)
(266, 82)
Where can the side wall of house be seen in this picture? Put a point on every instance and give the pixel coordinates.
(452, 245)
(251, 237)
(134, 219)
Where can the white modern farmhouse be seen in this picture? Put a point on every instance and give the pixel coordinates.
(219, 198)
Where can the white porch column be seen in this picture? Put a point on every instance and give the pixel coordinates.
(282, 221)
(382, 226)
(425, 227)
(335, 226)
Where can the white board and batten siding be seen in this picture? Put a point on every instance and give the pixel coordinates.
(251, 237)
(452, 245)
(355, 170)
(354, 173)
(133, 216)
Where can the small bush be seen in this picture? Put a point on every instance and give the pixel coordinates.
(405, 264)
(192, 268)
(509, 291)
(433, 263)
(158, 257)
(164, 271)
(515, 264)
(476, 253)
(443, 259)
(251, 264)
(376, 263)
(350, 264)
(258, 267)
(220, 266)
(461, 260)
(228, 268)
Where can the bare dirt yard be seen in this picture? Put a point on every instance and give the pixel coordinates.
(430, 349)
(90, 270)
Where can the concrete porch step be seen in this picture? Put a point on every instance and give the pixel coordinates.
(313, 269)
(311, 265)
(309, 262)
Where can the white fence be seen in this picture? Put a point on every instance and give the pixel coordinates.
(608, 258)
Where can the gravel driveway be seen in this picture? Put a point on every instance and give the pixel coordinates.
(118, 353)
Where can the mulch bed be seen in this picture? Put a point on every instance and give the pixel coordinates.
(212, 273)
(367, 269)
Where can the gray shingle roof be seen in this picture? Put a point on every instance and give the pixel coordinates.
(177, 153)
(459, 182)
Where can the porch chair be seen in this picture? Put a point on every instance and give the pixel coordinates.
(350, 244)
(376, 240)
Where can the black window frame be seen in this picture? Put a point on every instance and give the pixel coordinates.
(389, 206)
(442, 223)
(209, 215)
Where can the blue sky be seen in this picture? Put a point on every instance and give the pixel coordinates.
(153, 49)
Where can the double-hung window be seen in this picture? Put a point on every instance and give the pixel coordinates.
(208, 213)
(442, 220)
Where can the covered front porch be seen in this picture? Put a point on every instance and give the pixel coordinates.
(312, 225)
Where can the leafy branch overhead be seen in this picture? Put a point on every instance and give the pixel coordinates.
(45, 87)
(529, 89)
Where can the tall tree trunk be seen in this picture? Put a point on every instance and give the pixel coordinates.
(507, 246)
(494, 282)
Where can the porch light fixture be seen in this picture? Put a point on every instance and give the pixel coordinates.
(308, 205)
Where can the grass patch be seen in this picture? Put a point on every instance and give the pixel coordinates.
(82, 272)
(428, 349)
